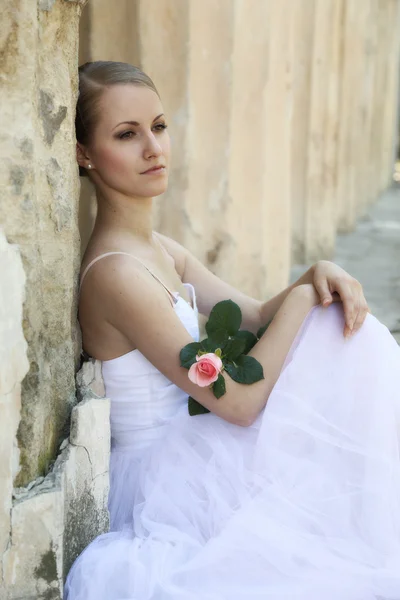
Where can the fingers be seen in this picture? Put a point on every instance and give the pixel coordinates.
(355, 307)
(350, 308)
(321, 285)
(362, 313)
(356, 323)
(333, 285)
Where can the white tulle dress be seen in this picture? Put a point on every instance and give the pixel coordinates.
(302, 505)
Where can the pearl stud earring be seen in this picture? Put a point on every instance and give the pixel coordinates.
(89, 166)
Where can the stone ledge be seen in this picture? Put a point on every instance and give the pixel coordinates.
(55, 517)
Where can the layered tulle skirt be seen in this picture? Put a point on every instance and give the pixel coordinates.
(302, 505)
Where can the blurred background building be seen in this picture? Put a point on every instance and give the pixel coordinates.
(284, 123)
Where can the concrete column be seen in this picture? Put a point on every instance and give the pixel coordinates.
(241, 259)
(361, 58)
(320, 230)
(332, 123)
(391, 91)
(109, 31)
(303, 36)
(377, 103)
(163, 32)
(276, 200)
(367, 179)
(208, 131)
(346, 143)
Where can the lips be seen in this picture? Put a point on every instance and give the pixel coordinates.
(154, 169)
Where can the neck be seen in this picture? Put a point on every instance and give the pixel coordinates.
(125, 216)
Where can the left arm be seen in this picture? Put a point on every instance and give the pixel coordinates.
(210, 289)
(327, 278)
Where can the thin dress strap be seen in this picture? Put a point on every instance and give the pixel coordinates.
(127, 254)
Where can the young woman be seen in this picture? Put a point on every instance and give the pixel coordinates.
(290, 487)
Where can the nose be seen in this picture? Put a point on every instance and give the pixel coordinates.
(152, 147)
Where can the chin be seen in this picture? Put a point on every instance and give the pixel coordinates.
(155, 189)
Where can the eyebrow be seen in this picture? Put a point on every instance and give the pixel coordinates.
(135, 122)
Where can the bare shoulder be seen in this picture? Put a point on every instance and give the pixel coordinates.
(117, 270)
(135, 304)
(176, 250)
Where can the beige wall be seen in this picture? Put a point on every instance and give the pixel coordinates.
(282, 118)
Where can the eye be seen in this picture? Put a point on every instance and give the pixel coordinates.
(160, 126)
(124, 136)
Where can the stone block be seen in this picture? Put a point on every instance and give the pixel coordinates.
(39, 208)
(45, 524)
(89, 379)
(55, 517)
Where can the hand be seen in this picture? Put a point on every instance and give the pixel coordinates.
(309, 291)
(329, 278)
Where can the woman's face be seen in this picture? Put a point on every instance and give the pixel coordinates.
(130, 157)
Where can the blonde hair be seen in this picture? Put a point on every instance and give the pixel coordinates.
(94, 78)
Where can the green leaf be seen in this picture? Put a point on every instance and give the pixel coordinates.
(263, 329)
(224, 320)
(188, 354)
(249, 339)
(246, 369)
(209, 345)
(219, 388)
(234, 348)
(195, 408)
(217, 338)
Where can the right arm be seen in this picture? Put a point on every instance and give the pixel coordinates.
(136, 305)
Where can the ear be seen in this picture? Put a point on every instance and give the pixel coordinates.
(82, 156)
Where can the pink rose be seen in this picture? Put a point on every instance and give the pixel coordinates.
(206, 370)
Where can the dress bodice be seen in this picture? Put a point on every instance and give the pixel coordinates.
(142, 398)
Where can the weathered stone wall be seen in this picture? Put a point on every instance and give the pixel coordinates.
(39, 211)
(282, 116)
(13, 367)
(50, 506)
(44, 525)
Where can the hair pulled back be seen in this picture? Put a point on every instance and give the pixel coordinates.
(94, 78)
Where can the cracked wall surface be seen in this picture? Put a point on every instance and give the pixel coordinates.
(54, 440)
(46, 524)
(13, 366)
(54, 518)
(39, 211)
